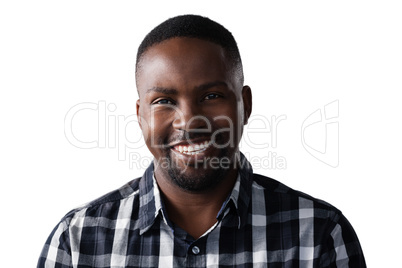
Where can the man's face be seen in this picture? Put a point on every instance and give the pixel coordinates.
(191, 110)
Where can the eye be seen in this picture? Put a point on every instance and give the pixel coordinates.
(163, 101)
(211, 96)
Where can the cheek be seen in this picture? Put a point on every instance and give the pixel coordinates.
(227, 115)
(157, 128)
(227, 121)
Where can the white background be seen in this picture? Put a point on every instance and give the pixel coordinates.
(298, 56)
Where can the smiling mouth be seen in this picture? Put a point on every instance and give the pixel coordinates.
(193, 149)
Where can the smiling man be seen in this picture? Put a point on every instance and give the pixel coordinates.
(199, 204)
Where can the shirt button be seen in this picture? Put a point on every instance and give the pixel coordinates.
(195, 250)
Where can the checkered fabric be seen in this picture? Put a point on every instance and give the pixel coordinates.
(263, 223)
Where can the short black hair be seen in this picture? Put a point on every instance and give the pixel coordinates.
(193, 26)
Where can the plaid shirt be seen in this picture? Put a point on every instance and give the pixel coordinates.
(262, 223)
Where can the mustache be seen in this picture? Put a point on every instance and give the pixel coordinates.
(187, 136)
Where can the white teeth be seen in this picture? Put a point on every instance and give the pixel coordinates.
(193, 149)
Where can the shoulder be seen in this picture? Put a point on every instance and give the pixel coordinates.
(103, 212)
(333, 233)
(108, 205)
(288, 199)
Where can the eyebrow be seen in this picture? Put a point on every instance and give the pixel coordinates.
(172, 91)
(209, 85)
(163, 90)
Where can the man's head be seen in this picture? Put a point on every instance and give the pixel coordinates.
(193, 104)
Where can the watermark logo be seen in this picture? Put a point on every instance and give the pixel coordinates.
(320, 134)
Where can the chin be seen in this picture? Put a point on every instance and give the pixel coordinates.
(197, 177)
(195, 180)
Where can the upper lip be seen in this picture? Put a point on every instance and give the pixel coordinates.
(189, 142)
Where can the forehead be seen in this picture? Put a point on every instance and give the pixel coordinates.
(182, 61)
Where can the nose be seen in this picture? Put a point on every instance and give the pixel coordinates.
(189, 117)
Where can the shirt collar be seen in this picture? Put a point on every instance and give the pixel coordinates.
(151, 203)
(241, 193)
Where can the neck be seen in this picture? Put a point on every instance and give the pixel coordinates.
(194, 212)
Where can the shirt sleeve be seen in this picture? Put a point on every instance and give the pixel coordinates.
(56, 251)
(342, 248)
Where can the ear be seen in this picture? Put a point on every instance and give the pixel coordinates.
(137, 107)
(247, 103)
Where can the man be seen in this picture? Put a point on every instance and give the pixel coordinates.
(199, 204)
